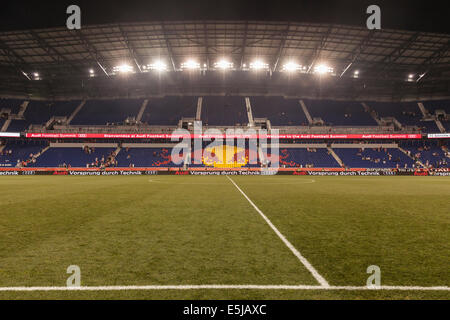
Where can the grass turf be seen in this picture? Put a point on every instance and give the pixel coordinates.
(200, 230)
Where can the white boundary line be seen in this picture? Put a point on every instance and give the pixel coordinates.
(302, 259)
(229, 287)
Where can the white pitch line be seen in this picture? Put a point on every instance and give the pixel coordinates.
(302, 259)
(228, 287)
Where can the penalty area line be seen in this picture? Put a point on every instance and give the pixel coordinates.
(297, 253)
(228, 287)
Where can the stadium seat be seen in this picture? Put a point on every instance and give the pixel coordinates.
(102, 112)
(373, 158)
(340, 113)
(75, 157)
(280, 111)
(169, 110)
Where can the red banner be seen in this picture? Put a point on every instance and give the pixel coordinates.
(207, 136)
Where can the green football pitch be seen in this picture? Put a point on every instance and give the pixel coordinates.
(219, 237)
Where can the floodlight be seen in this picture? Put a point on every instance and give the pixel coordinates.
(158, 65)
(223, 64)
(258, 65)
(123, 68)
(190, 64)
(291, 66)
(322, 69)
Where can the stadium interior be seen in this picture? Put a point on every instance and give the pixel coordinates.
(154, 78)
(224, 158)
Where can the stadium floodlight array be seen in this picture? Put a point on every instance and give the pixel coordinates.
(157, 65)
(123, 68)
(323, 69)
(190, 65)
(292, 66)
(259, 65)
(223, 64)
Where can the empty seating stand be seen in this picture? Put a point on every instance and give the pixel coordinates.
(224, 110)
(340, 113)
(18, 125)
(75, 157)
(428, 126)
(21, 151)
(429, 153)
(407, 113)
(169, 110)
(39, 112)
(373, 158)
(145, 157)
(302, 157)
(13, 104)
(280, 111)
(102, 112)
(432, 106)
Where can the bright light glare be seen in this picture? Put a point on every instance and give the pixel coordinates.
(190, 64)
(91, 71)
(322, 69)
(36, 75)
(123, 68)
(258, 65)
(158, 66)
(356, 72)
(410, 76)
(223, 64)
(291, 66)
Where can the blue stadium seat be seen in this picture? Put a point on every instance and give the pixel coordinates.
(316, 158)
(102, 112)
(340, 113)
(280, 111)
(145, 157)
(169, 110)
(75, 157)
(373, 158)
(21, 151)
(224, 110)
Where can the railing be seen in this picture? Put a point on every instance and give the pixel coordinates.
(169, 129)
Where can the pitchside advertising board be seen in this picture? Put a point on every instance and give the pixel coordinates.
(147, 172)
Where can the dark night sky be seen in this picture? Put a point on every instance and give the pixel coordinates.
(429, 15)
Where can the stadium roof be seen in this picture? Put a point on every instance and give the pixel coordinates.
(59, 53)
